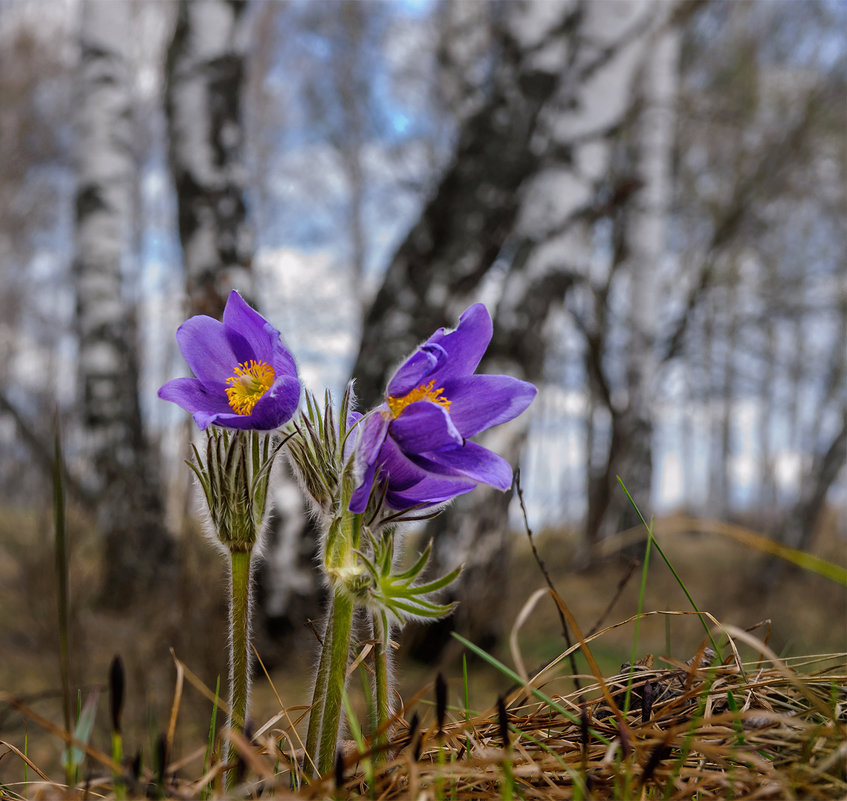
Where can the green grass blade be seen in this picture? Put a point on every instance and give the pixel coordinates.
(210, 746)
(652, 539)
(359, 737)
(82, 731)
(61, 546)
(509, 673)
(642, 591)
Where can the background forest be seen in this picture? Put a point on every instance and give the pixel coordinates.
(648, 196)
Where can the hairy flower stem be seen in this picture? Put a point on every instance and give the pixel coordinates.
(338, 646)
(381, 684)
(239, 626)
(319, 696)
(342, 538)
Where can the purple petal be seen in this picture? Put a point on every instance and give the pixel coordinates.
(373, 430)
(281, 359)
(352, 431)
(372, 434)
(273, 409)
(276, 406)
(465, 346)
(224, 420)
(205, 347)
(478, 463)
(400, 471)
(412, 372)
(478, 402)
(250, 334)
(410, 485)
(432, 490)
(360, 496)
(424, 426)
(194, 397)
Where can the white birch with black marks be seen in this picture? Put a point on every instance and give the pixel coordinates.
(205, 76)
(129, 500)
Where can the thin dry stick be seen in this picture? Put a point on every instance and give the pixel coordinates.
(21, 755)
(543, 568)
(44, 723)
(176, 702)
(292, 726)
(615, 598)
(196, 682)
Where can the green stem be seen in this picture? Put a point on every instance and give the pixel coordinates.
(339, 650)
(319, 695)
(382, 683)
(117, 758)
(239, 655)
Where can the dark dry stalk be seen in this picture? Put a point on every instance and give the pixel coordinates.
(116, 692)
(646, 701)
(339, 770)
(415, 737)
(161, 760)
(584, 732)
(440, 701)
(503, 722)
(657, 755)
(546, 574)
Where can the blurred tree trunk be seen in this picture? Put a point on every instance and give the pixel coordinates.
(351, 72)
(130, 505)
(205, 76)
(640, 248)
(525, 186)
(799, 526)
(827, 464)
(721, 448)
(465, 224)
(767, 485)
(448, 252)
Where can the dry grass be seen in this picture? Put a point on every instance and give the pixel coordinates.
(753, 726)
(785, 741)
(759, 728)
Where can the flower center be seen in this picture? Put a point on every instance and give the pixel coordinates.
(248, 384)
(418, 393)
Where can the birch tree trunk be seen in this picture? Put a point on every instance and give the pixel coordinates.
(644, 226)
(465, 224)
(205, 73)
(545, 251)
(130, 506)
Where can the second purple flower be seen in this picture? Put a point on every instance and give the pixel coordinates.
(417, 441)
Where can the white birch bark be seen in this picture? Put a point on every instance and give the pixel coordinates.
(130, 510)
(642, 240)
(205, 69)
(551, 248)
(646, 233)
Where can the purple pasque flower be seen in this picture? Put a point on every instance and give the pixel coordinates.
(418, 440)
(244, 376)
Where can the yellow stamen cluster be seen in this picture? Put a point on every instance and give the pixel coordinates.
(249, 383)
(418, 393)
